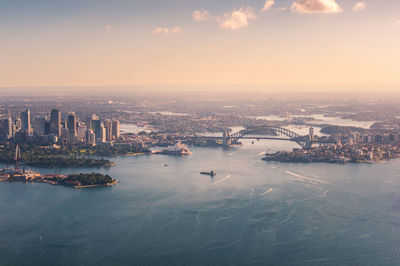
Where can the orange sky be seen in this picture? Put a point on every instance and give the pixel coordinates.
(345, 44)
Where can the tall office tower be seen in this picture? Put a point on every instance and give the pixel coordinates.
(5, 128)
(95, 126)
(89, 119)
(90, 137)
(17, 124)
(115, 129)
(47, 127)
(39, 126)
(108, 127)
(26, 121)
(71, 124)
(55, 122)
(311, 133)
(102, 136)
(81, 130)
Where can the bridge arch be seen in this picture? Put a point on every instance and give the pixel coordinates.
(266, 132)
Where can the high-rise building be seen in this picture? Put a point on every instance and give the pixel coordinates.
(90, 137)
(5, 128)
(108, 127)
(95, 126)
(26, 121)
(71, 124)
(55, 122)
(89, 119)
(115, 129)
(102, 137)
(311, 133)
(39, 126)
(81, 131)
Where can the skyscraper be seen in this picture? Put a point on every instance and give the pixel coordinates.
(102, 133)
(108, 127)
(39, 126)
(71, 124)
(5, 128)
(115, 129)
(55, 122)
(26, 121)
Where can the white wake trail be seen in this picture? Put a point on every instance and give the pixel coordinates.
(266, 192)
(222, 180)
(306, 178)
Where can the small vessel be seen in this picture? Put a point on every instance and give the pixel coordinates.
(252, 191)
(211, 173)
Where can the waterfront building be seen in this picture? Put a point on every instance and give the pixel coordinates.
(311, 134)
(115, 129)
(55, 122)
(26, 121)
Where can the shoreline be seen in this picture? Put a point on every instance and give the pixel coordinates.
(93, 186)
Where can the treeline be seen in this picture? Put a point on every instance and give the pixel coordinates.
(36, 156)
(90, 179)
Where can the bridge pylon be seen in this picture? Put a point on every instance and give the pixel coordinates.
(226, 139)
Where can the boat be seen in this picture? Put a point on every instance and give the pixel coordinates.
(211, 173)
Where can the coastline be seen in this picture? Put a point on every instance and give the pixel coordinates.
(93, 186)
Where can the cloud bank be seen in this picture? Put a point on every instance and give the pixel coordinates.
(201, 15)
(315, 6)
(167, 31)
(268, 5)
(360, 6)
(237, 19)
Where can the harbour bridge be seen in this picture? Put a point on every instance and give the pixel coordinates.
(267, 132)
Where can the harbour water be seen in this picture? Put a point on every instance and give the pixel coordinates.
(251, 212)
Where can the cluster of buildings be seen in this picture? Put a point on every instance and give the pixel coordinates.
(53, 129)
(339, 154)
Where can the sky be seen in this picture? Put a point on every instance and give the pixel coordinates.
(281, 44)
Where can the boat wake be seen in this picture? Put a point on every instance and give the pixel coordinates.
(266, 192)
(222, 180)
(305, 178)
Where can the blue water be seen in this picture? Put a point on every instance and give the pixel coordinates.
(299, 214)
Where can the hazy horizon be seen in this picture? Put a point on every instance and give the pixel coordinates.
(288, 45)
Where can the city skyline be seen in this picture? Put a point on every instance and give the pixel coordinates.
(290, 45)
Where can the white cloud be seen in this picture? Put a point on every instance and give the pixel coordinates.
(166, 31)
(268, 5)
(359, 6)
(316, 6)
(201, 15)
(177, 30)
(237, 19)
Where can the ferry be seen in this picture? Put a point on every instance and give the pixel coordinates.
(212, 173)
